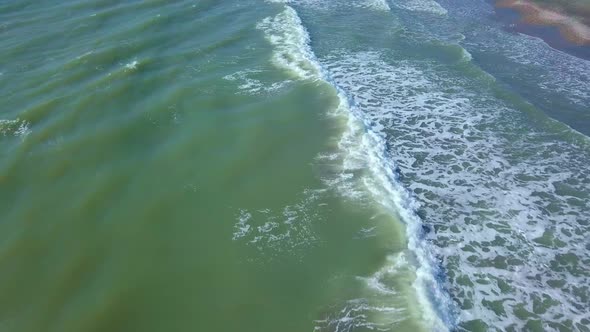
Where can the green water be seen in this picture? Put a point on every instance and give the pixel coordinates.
(276, 166)
(119, 202)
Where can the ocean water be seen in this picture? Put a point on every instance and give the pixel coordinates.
(289, 165)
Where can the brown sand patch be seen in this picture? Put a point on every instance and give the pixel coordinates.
(571, 28)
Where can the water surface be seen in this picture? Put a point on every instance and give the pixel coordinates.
(305, 165)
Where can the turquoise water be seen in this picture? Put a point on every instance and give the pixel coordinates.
(304, 165)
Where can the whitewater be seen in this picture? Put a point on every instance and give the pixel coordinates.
(460, 188)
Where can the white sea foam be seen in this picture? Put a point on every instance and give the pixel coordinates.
(466, 55)
(491, 191)
(381, 307)
(285, 230)
(554, 76)
(242, 228)
(556, 72)
(291, 44)
(379, 5)
(79, 57)
(505, 199)
(14, 127)
(376, 5)
(426, 6)
(267, 230)
(364, 150)
(249, 83)
(132, 65)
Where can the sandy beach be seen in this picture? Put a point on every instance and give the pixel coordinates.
(573, 29)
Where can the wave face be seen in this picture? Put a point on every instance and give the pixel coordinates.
(499, 187)
(361, 150)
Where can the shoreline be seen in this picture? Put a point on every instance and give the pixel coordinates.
(572, 29)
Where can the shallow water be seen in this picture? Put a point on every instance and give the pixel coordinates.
(304, 165)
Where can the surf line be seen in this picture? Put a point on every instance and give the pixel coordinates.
(293, 53)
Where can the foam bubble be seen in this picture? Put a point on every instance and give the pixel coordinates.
(16, 127)
(291, 44)
(426, 6)
(131, 65)
(370, 153)
(504, 197)
(273, 231)
(466, 55)
(376, 5)
(367, 174)
(249, 83)
(555, 71)
(293, 53)
(242, 228)
(379, 5)
(380, 306)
